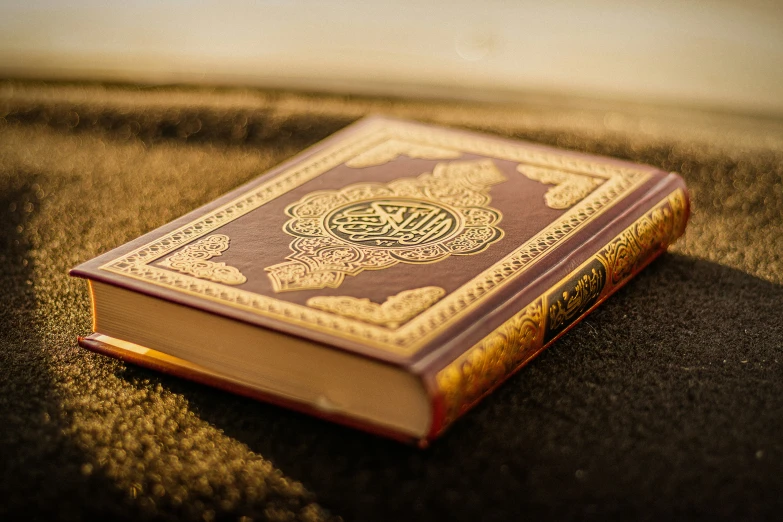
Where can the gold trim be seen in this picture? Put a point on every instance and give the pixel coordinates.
(393, 312)
(194, 260)
(472, 375)
(466, 380)
(417, 332)
(373, 226)
(388, 150)
(569, 188)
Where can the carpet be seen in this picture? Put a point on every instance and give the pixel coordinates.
(666, 403)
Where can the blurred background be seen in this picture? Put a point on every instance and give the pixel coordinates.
(719, 54)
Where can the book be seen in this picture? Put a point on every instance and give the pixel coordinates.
(387, 278)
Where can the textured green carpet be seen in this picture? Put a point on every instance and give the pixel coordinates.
(666, 402)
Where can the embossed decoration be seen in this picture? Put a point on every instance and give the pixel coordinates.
(576, 300)
(569, 188)
(393, 223)
(464, 381)
(194, 259)
(372, 226)
(140, 263)
(393, 312)
(390, 149)
(628, 252)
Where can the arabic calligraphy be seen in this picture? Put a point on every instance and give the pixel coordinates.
(464, 381)
(372, 226)
(392, 223)
(575, 297)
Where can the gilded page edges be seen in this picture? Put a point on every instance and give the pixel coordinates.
(480, 369)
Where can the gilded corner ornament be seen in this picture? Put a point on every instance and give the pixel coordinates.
(393, 312)
(194, 260)
(569, 188)
(390, 149)
(373, 226)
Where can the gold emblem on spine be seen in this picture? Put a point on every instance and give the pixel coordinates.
(393, 312)
(372, 226)
(390, 149)
(577, 300)
(489, 362)
(569, 188)
(194, 260)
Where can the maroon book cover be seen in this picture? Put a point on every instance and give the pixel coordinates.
(455, 255)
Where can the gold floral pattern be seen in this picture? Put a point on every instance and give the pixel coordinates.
(372, 226)
(652, 232)
(140, 263)
(464, 381)
(393, 312)
(569, 188)
(194, 259)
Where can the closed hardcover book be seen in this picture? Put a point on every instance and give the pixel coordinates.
(387, 278)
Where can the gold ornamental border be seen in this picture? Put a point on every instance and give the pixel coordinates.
(414, 334)
(467, 379)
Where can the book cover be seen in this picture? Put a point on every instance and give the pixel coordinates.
(454, 255)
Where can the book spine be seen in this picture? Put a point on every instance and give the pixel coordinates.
(462, 383)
